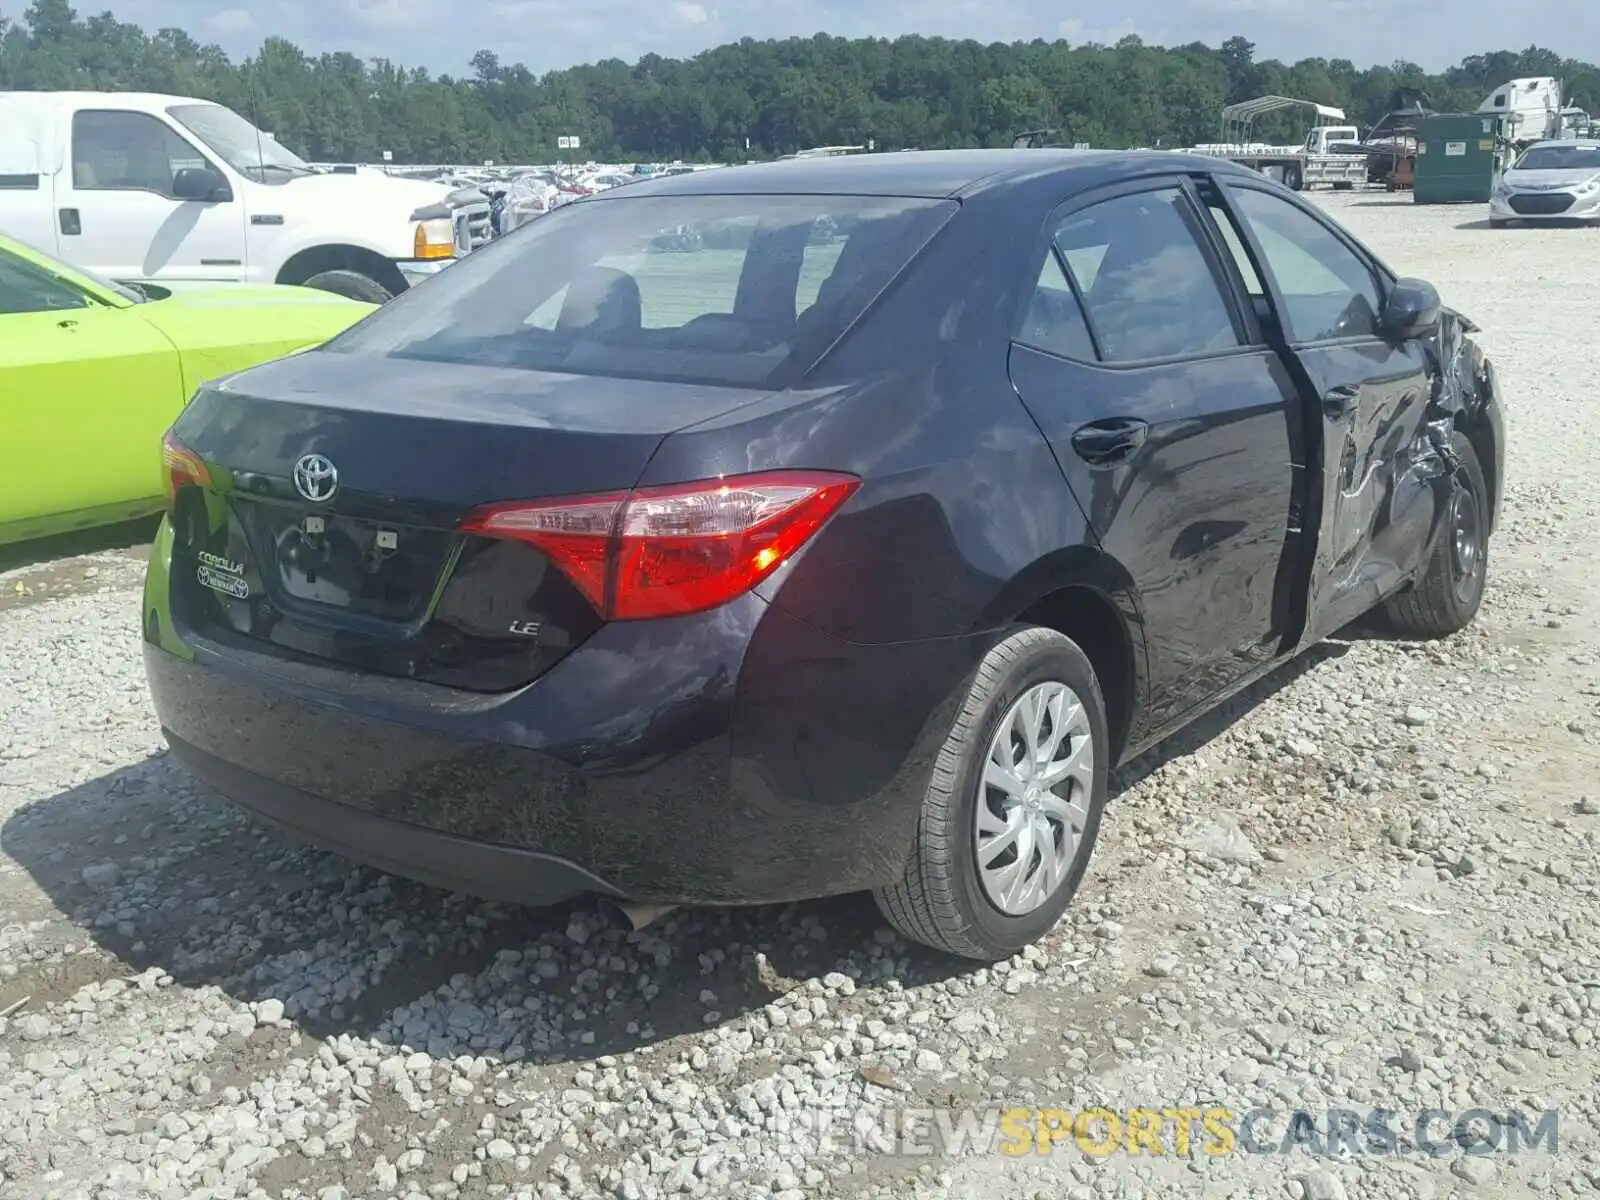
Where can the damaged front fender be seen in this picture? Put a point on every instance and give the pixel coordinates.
(1463, 403)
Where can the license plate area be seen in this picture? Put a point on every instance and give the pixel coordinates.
(368, 568)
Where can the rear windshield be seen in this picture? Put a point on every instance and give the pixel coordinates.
(1560, 158)
(726, 290)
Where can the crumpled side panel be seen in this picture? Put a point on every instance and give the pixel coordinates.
(1455, 369)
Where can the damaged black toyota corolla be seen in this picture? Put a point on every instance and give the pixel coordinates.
(821, 526)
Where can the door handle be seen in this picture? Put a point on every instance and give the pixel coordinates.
(1108, 443)
(1340, 401)
(71, 221)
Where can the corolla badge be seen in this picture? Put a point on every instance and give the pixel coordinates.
(315, 478)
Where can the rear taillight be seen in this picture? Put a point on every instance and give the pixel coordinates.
(664, 551)
(182, 468)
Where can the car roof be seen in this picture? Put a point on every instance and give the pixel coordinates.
(925, 174)
(138, 101)
(1586, 143)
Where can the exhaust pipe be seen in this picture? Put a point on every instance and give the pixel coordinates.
(634, 916)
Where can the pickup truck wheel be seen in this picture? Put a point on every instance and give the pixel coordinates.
(1449, 589)
(1011, 814)
(1293, 180)
(350, 284)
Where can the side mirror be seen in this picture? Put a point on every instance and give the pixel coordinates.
(1412, 309)
(201, 183)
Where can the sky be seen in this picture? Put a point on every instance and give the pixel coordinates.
(549, 34)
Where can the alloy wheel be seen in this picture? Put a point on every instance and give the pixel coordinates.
(1033, 801)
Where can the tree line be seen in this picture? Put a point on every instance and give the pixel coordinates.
(745, 100)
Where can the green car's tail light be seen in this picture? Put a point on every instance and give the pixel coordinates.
(182, 468)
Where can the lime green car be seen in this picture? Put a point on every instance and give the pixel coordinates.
(92, 372)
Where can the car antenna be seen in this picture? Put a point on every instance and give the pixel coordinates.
(255, 121)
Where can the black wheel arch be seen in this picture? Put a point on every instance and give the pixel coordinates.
(1088, 596)
(314, 260)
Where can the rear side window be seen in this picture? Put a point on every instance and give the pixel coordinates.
(1054, 321)
(730, 290)
(1149, 288)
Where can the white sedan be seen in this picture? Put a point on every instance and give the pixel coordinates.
(1552, 181)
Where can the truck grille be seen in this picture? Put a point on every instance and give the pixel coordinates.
(480, 228)
(473, 227)
(1544, 205)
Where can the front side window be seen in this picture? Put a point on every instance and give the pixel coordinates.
(1328, 290)
(728, 290)
(26, 288)
(1148, 286)
(128, 151)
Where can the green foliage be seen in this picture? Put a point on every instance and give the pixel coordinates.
(780, 95)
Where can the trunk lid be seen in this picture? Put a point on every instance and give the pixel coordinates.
(361, 562)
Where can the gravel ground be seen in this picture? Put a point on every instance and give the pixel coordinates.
(1372, 883)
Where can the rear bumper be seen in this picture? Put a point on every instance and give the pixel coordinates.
(732, 757)
(495, 872)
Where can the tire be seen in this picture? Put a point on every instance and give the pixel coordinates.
(1293, 180)
(1448, 590)
(942, 900)
(350, 284)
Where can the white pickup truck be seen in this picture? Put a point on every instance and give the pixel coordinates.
(138, 186)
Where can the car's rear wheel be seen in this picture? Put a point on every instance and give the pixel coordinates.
(1010, 817)
(1449, 590)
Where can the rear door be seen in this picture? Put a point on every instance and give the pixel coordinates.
(85, 391)
(1374, 508)
(117, 212)
(1140, 362)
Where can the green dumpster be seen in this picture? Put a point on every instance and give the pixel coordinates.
(1458, 159)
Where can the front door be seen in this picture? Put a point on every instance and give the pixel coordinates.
(117, 213)
(1170, 419)
(1369, 397)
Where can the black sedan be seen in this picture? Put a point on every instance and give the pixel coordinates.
(813, 527)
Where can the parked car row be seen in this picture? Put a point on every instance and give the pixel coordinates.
(826, 526)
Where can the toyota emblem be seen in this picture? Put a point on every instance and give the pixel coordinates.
(315, 478)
